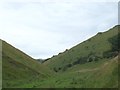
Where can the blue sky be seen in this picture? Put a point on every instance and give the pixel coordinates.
(44, 28)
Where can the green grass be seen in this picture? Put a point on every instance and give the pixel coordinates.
(20, 68)
(21, 71)
(95, 46)
(106, 76)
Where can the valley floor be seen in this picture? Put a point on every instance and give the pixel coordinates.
(98, 74)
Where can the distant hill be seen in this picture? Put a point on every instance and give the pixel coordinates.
(40, 60)
(18, 67)
(102, 45)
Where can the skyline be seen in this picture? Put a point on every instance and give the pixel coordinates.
(45, 29)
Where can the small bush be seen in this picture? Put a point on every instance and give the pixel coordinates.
(89, 40)
(55, 69)
(100, 33)
(115, 47)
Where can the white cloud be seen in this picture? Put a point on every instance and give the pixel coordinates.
(46, 28)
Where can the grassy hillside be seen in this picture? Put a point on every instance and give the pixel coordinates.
(94, 49)
(101, 74)
(19, 67)
(90, 64)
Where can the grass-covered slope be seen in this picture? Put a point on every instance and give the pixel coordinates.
(100, 74)
(94, 49)
(19, 68)
(90, 64)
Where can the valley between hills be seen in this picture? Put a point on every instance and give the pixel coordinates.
(90, 64)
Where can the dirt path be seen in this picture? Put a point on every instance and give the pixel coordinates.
(94, 69)
(102, 66)
(87, 70)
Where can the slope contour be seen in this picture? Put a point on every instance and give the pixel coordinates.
(19, 67)
(103, 45)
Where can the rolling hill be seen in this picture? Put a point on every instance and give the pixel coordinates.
(20, 68)
(103, 45)
(91, 64)
(100, 74)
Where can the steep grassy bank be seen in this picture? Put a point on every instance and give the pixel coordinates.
(100, 74)
(90, 64)
(20, 68)
(101, 46)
